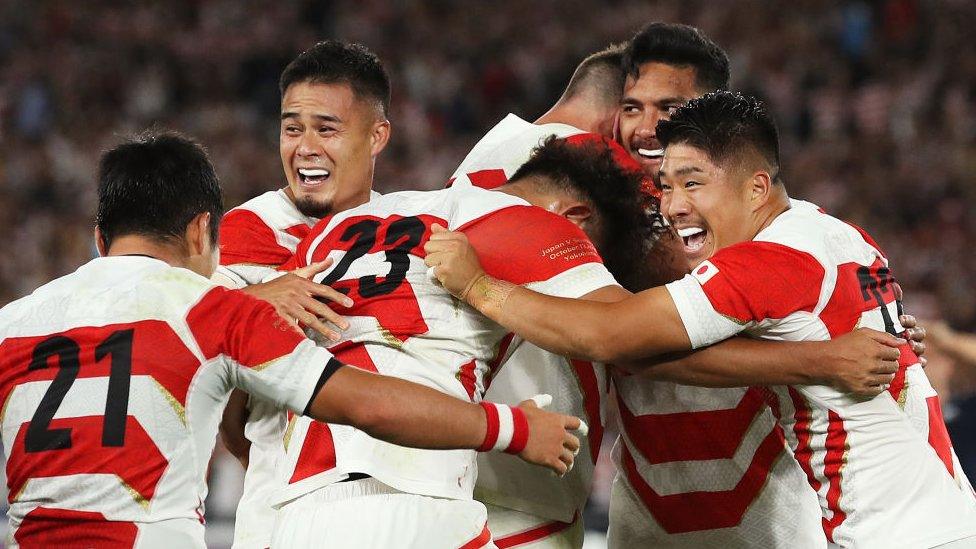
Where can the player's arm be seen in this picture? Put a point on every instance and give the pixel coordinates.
(862, 362)
(409, 414)
(607, 325)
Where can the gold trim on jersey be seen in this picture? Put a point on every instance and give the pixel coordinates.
(20, 492)
(175, 404)
(289, 429)
(264, 365)
(3, 410)
(391, 339)
(136, 496)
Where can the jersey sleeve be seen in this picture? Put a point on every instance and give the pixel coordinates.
(245, 239)
(264, 355)
(743, 286)
(543, 251)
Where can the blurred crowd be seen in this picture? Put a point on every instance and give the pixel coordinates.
(876, 102)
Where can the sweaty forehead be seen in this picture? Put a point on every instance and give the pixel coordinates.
(657, 81)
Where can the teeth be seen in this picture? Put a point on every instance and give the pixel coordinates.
(689, 231)
(313, 173)
(651, 153)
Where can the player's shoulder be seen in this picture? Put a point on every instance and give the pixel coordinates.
(807, 228)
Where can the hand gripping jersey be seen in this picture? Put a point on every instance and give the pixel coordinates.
(521, 369)
(883, 468)
(113, 382)
(404, 324)
(255, 238)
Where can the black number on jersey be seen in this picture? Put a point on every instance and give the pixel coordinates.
(872, 284)
(40, 437)
(402, 236)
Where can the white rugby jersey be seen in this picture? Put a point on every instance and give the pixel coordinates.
(404, 324)
(521, 369)
(255, 238)
(114, 379)
(883, 468)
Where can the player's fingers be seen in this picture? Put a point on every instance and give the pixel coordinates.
(322, 291)
(568, 458)
(571, 443)
(315, 268)
(883, 379)
(918, 347)
(923, 361)
(314, 323)
(885, 338)
(908, 321)
(324, 312)
(437, 228)
(886, 367)
(542, 400)
(572, 423)
(530, 403)
(558, 466)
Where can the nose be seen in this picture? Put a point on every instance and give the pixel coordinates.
(648, 125)
(308, 144)
(675, 204)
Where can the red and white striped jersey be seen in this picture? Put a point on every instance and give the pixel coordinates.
(883, 468)
(521, 369)
(404, 324)
(113, 382)
(503, 150)
(260, 235)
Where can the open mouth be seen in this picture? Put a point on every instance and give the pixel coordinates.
(693, 237)
(313, 176)
(651, 154)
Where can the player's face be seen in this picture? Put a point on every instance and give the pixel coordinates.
(652, 96)
(707, 205)
(328, 142)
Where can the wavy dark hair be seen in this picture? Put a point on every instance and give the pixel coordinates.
(629, 219)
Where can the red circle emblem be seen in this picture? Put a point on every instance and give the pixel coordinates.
(702, 269)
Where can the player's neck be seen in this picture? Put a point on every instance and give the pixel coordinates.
(578, 114)
(534, 189)
(777, 204)
(140, 245)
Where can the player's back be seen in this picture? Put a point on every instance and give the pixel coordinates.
(403, 323)
(113, 382)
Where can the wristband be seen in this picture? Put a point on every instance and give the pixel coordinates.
(508, 429)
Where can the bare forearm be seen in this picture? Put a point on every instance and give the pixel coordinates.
(399, 412)
(607, 325)
(738, 362)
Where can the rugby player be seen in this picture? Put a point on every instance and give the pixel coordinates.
(335, 100)
(777, 269)
(114, 376)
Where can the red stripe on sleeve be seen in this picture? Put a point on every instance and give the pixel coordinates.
(525, 244)
(245, 238)
(763, 280)
(244, 328)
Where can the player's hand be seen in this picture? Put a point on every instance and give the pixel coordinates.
(550, 444)
(453, 259)
(915, 333)
(863, 362)
(301, 301)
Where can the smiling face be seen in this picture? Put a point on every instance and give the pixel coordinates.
(329, 141)
(652, 96)
(709, 205)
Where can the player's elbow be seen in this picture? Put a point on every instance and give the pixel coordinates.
(378, 419)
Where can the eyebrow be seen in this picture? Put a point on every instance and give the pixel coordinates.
(681, 171)
(320, 117)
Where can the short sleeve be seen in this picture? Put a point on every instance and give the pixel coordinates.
(530, 246)
(266, 356)
(246, 239)
(745, 285)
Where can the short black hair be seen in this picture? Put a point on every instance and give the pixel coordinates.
(680, 46)
(726, 126)
(154, 185)
(335, 61)
(629, 222)
(600, 74)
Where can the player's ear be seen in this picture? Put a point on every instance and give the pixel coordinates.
(198, 234)
(100, 243)
(577, 212)
(379, 137)
(759, 188)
